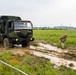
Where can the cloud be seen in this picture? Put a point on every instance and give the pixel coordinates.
(42, 12)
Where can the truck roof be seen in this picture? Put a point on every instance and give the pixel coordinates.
(5, 18)
(23, 21)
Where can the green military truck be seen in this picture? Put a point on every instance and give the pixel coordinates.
(13, 30)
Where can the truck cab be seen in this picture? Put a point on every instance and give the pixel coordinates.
(13, 30)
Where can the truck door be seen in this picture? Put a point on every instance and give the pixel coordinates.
(8, 27)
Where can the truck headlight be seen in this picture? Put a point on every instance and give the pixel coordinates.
(16, 39)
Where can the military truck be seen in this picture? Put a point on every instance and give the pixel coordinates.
(14, 30)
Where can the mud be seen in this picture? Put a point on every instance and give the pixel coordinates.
(48, 47)
(55, 55)
(56, 60)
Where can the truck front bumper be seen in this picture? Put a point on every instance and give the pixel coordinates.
(20, 40)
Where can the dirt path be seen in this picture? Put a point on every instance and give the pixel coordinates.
(56, 60)
(53, 58)
(47, 48)
(56, 55)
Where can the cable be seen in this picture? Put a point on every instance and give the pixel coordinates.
(13, 67)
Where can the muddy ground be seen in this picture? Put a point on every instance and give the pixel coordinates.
(56, 55)
(44, 48)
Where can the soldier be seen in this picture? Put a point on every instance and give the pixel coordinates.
(62, 40)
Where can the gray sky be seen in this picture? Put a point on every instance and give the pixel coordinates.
(42, 12)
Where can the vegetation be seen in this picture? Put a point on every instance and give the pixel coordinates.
(32, 65)
(53, 37)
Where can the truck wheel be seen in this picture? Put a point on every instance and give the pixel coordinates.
(6, 43)
(27, 44)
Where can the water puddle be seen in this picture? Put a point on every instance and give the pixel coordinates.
(56, 60)
(48, 47)
(53, 58)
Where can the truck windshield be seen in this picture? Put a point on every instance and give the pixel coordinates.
(22, 25)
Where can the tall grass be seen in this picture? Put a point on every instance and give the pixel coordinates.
(53, 36)
(32, 65)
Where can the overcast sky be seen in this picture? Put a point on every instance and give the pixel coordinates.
(42, 12)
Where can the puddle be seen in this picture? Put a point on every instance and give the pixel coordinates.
(56, 60)
(53, 48)
(36, 48)
(53, 58)
(48, 47)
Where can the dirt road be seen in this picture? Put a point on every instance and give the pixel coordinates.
(56, 55)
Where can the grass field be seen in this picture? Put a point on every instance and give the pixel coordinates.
(32, 65)
(53, 36)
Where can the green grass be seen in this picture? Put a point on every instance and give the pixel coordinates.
(32, 65)
(53, 36)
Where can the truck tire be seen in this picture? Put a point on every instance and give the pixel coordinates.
(6, 43)
(27, 44)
